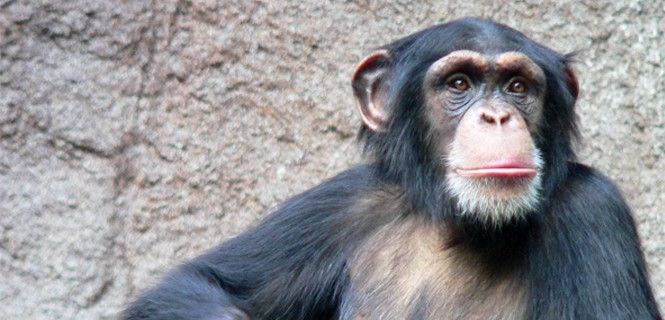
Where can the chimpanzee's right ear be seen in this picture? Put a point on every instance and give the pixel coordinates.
(370, 86)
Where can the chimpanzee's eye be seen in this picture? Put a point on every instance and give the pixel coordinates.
(517, 86)
(459, 83)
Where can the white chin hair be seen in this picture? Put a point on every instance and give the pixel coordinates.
(478, 199)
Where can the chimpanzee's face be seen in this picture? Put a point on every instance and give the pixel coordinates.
(483, 112)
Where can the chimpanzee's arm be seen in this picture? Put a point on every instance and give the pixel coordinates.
(588, 263)
(191, 292)
(292, 266)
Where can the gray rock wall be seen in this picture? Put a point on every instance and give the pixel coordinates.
(135, 134)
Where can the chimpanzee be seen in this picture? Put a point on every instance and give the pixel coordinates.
(471, 204)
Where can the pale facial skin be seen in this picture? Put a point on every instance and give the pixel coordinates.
(494, 104)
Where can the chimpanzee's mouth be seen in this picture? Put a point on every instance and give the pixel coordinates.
(498, 172)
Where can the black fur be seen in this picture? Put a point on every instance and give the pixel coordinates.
(579, 251)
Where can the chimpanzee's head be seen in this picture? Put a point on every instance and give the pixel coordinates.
(471, 112)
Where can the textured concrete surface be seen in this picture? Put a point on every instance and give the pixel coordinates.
(135, 134)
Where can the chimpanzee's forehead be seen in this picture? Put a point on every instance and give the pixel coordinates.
(483, 37)
(472, 34)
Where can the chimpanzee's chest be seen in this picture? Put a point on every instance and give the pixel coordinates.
(403, 271)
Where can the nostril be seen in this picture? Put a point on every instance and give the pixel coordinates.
(504, 118)
(487, 118)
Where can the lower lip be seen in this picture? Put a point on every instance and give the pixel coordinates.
(497, 172)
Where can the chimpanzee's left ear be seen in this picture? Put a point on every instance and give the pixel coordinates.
(370, 86)
(571, 81)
